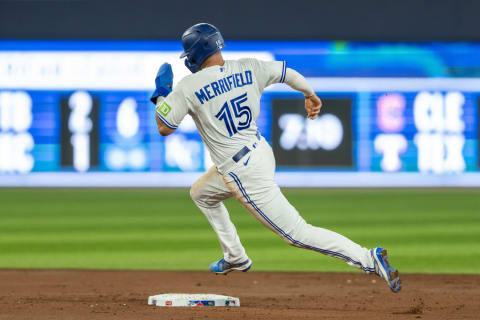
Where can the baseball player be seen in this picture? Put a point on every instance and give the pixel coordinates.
(223, 98)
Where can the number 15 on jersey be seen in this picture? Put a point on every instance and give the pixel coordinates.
(242, 112)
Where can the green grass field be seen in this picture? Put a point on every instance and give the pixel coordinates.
(425, 230)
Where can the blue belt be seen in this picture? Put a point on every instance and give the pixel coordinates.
(240, 154)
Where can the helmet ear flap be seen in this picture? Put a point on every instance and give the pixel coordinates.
(191, 65)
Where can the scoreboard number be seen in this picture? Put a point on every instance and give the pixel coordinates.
(79, 131)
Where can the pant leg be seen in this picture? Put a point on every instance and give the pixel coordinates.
(254, 186)
(208, 192)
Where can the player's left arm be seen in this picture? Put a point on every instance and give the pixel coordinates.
(170, 111)
(162, 127)
(296, 81)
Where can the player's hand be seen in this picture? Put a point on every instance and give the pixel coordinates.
(163, 82)
(313, 104)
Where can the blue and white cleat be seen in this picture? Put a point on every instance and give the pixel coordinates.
(384, 269)
(224, 267)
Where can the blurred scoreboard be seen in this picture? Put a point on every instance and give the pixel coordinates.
(430, 131)
(83, 107)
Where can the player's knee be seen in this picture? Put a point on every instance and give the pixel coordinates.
(295, 236)
(195, 193)
(291, 241)
(288, 238)
(199, 195)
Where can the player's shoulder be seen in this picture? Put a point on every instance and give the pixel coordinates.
(187, 81)
(194, 77)
(248, 61)
(243, 64)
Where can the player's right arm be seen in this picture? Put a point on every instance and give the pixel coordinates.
(296, 81)
(270, 72)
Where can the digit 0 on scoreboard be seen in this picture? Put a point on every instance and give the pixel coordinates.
(79, 147)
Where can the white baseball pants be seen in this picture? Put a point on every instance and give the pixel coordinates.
(251, 181)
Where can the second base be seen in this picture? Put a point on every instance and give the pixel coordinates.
(193, 300)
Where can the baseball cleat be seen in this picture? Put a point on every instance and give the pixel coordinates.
(224, 267)
(384, 269)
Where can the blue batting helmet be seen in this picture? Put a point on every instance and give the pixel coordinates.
(200, 42)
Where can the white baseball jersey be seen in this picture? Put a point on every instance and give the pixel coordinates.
(224, 102)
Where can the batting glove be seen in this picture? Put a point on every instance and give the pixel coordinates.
(163, 82)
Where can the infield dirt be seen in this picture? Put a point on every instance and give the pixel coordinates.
(79, 294)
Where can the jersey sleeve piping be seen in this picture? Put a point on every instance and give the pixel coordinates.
(284, 72)
(165, 122)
